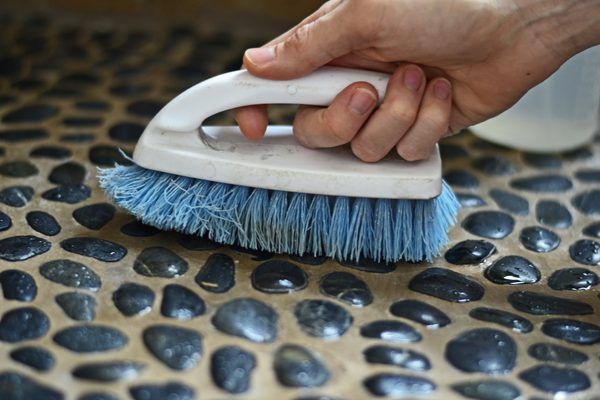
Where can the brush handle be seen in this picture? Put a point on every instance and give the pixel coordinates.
(187, 111)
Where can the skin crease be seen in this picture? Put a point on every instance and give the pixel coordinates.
(468, 60)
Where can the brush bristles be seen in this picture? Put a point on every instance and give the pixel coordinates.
(343, 228)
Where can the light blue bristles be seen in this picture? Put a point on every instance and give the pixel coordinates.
(344, 228)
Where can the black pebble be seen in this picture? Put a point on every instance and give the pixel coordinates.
(247, 318)
(5, 222)
(398, 357)
(129, 89)
(583, 251)
(107, 156)
(397, 385)
(144, 108)
(278, 276)
(489, 224)
(257, 255)
(542, 304)
(470, 200)
(110, 371)
(81, 121)
(449, 151)
(553, 379)
(68, 194)
(43, 223)
(572, 331)
(231, 368)
(77, 138)
(128, 132)
(32, 113)
(295, 366)
(181, 303)
(138, 229)
(513, 270)
(22, 135)
(24, 323)
(159, 262)
(20, 248)
(581, 153)
(97, 396)
(543, 184)
(35, 357)
(90, 338)
(308, 259)
(484, 350)
(553, 214)
(93, 105)
(420, 312)
(196, 243)
(133, 299)
(501, 317)
(393, 331)
(592, 229)
(447, 285)
(550, 352)
(573, 279)
(18, 285)
(542, 161)
(71, 273)
(94, 216)
(169, 390)
(14, 386)
(588, 175)
(538, 239)
(52, 152)
(494, 166)
(587, 202)
(322, 318)
(347, 288)
(178, 348)
(470, 252)
(462, 179)
(370, 266)
(510, 202)
(68, 174)
(16, 196)
(18, 169)
(488, 389)
(77, 306)
(217, 275)
(100, 249)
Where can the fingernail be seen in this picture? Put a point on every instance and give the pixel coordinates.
(260, 55)
(362, 101)
(413, 77)
(441, 89)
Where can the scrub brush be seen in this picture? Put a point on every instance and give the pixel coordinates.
(276, 195)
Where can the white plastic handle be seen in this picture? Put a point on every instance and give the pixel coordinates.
(187, 111)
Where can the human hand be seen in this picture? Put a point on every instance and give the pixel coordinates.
(453, 64)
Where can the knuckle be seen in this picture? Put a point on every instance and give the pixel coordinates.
(365, 153)
(402, 114)
(334, 127)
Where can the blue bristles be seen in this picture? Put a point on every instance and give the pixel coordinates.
(344, 228)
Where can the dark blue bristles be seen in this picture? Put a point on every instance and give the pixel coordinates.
(344, 228)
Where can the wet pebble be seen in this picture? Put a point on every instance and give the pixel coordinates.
(587, 202)
(393, 331)
(68, 194)
(17, 285)
(110, 371)
(94, 216)
(196, 243)
(462, 179)
(144, 108)
(501, 317)
(107, 156)
(43, 223)
(550, 352)
(347, 288)
(487, 389)
(447, 285)
(100, 249)
(14, 386)
(579, 154)
(30, 113)
(494, 165)
(35, 357)
(136, 228)
(553, 214)
(170, 390)
(77, 306)
(322, 318)
(552, 379)
(588, 175)
(484, 350)
(181, 303)
(308, 259)
(51, 152)
(133, 299)
(397, 385)
(398, 357)
(16, 196)
(18, 169)
(77, 138)
(159, 262)
(73, 121)
(572, 331)
(295, 366)
(231, 368)
(543, 184)
(538, 239)
(513, 270)
(22, 135)
(247, 318)
(178, 348)
(470, 252)
(97, 396)
(542, 161)
(470, 200)
(20, 248)
(278, 276)
(510, 202)
(128, 132)
(489, 224)
(542, 304)
(69, 174)
(25, 323)
(71, 273)
(90, 338)
(583, 251)
(217, 275)
(572, 279)
(420, 312)
(5, 222)
(592, 229)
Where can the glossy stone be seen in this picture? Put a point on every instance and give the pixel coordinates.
(51, 152)
(128, 132)
(513, 270)
(17, 285)
(550, 352)
(144, 108)
(77, 138)
(108, 371)
(81, 121)
(231, 368)
(278, 276)
(22, 135)
(71, 273)
(308, 259)
(5, 222)
(100, 249)
(397, 385)
(68, 194)
(420, 312)
(588, 175)
(489, 224)
(107, 156)
(35, 357)
(18, 169)
(370, 266)
(552, 379)
(31, 113)
(347, 288)
(501, 317)
(447, 285)
(510, 202)
(553, 214)
(462, 179)
(398, 357)
(77, 306)
(322, 318)
(159, 262)
(181, 303)
(25, 323)
(20, 248)
(541, 304)
(43, 223)
(582, 251)
(572, 331)
(484, 350)
(16, 196)
(97, 396)
(470, 252)
(94, 216)
(170, 390)
(178, 348)
(217, 275)
(138, 229)
(573, 279)
(470, 200)
(295, 366)
(543, 184)
(592, 229)
(133, 299)
(247, 318)
(69, 174)
(494, 165)
(196, 243)
(14, 386)
(393, 331)
(578, 154)
(88, 338)
(542, 161)
(488, 389)
(538, 239)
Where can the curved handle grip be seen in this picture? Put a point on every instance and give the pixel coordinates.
(187, 111)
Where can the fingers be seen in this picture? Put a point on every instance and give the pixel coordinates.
(253, 121)
(317, 127)
(431, 124)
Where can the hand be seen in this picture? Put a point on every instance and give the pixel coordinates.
(453, 64)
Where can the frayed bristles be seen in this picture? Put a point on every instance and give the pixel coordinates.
(343, 228)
